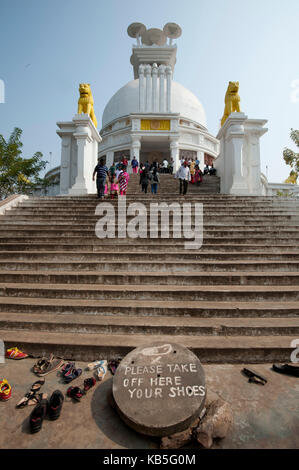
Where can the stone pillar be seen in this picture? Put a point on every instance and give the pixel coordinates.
(65, 166)
(253, 131)
(162, 89)
(174, 152)
(135, 148)
(141, 89)
(168, 88)
(79, 152)
(148, 97)
(231, 136)
(201, 158)
(155, 88)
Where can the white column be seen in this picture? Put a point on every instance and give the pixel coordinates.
(109, 158)
(135, 148)
(253, 131)
(168, 87)
(80, 186)
(141, 88)
(232, 136)
(65, 167)
(162, 88)
(174, 152)
(154, 88)
(148, 97)
(201, 158)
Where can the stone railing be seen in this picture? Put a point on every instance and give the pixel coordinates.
(11, 201)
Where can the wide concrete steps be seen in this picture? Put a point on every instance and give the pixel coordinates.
(75, 247)
(162, 266)
(148, 255)
(146, 292)
(195, 326)
(211, 349)
(182, 278)
(186, 308)
(64, 290)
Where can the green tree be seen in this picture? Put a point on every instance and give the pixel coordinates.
(292, 158)
(19, 175)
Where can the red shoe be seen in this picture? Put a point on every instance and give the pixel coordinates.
(15, 353)
(5, 390)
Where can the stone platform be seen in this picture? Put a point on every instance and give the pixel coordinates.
(265, 416)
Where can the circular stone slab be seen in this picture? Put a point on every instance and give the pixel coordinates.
(159, 389)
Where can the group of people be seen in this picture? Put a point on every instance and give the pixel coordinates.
(189, 172)
(149, 175)
(113, 180)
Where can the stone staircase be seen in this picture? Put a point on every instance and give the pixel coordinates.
(236, 299)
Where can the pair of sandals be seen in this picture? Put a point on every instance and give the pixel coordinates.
(69, 372)
(77, 393)
(32, 398)
(45, 366)
(100, 368)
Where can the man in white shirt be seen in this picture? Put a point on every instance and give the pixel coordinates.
(184, 176)
(165, 165)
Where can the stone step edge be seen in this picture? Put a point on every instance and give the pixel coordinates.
(146, 288)
(206, 274)
(165, 304)
(199, 342)
(155, 321)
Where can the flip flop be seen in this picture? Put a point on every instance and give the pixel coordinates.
(94, 365)
(101, 371)
(75, 392)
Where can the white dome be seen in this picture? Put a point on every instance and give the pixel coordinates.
(126, 101)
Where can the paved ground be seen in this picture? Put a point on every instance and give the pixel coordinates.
(265, 417)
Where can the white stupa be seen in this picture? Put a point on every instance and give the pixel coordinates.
(152, 116)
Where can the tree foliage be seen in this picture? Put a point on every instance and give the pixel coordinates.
(292, 158)
(19, 175)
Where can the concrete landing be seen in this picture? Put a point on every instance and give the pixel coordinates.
(265, 417)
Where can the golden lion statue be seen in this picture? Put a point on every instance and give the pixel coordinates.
(292, 179)
(232, 101)
(85, 102)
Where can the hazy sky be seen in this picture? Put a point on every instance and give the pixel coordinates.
(49, 46)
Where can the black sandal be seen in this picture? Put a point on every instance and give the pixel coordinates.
(38, 414)
(286, 369)
(89, 383)
(75, 392)
(55, 404)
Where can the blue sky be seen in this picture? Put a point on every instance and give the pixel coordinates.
(48, 47)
